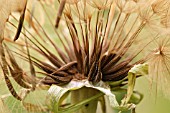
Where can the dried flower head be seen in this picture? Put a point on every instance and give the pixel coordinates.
(96, 41)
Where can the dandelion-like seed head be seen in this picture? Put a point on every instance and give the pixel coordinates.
(159, 65)
(92, 40)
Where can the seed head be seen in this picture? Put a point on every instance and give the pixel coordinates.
(96, 40)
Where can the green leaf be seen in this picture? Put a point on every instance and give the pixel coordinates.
(140, 69)
(137, 70)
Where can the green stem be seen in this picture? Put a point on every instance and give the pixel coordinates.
(82, 94)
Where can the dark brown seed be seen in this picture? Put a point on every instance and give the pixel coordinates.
(60, 10)
(21, 21)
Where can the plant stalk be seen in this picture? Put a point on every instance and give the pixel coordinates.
(82, 94)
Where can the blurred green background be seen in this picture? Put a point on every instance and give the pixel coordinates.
(152, 102)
